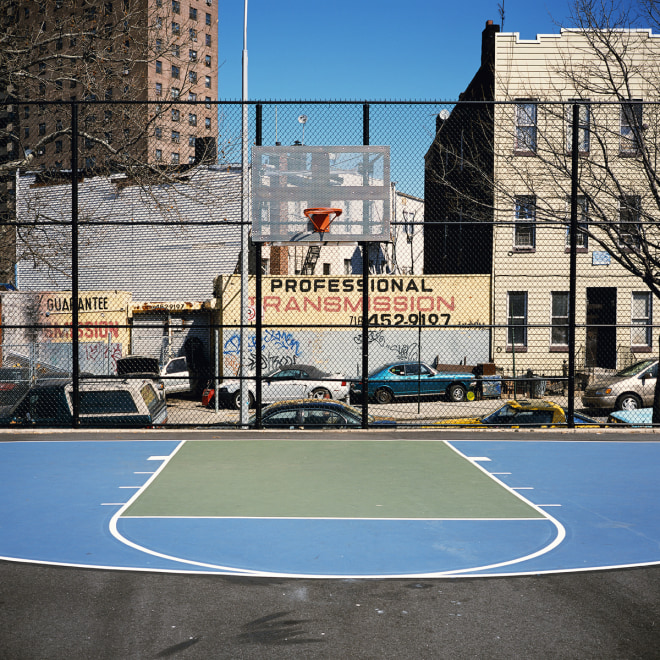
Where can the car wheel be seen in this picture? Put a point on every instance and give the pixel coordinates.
(384, 396)
(237, 400)
(456, 393)
(321, 393)
(628, 401)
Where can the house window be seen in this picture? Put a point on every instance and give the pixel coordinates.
(159, 154)
(207, 81)
(517, 319)
(159, 89)
(159, 66)
(524, 231)
(525, 127)
(583, 127)
(208, 19)
(192, 119)
(559, 318)
(192, 13)
(630, 228)
(583, 220)
(631, 127)
(175, 158)
(640, 331)
(175, 71)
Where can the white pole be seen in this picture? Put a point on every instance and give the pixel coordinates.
(244, 227)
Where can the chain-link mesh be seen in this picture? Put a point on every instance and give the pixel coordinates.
(122, 300)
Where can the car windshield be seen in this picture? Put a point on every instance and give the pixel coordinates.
(635, 369)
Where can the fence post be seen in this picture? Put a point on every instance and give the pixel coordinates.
(365, 294)
(258, 321)
(573, 266)
(75, 344)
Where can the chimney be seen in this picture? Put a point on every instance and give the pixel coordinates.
(488, 43)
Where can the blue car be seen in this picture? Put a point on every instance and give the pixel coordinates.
(639, 417)
(399, 380)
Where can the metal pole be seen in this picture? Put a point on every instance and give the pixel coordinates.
(75, 347)
(245, 236)
(572, 293)
(258, 294)
(216, 382)
(365, 294)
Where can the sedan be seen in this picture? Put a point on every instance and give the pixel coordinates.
(399, 380)
(523, 413)
(316, 414)
(295, 381)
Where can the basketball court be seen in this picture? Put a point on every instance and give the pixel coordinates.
(341, 506)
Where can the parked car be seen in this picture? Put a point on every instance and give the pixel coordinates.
(316, 414)
(14, 383)
(638, 418)
(295, 381)
(173, 377)
(523, 413)
(399, 380)
(629, 389)
(102, 403)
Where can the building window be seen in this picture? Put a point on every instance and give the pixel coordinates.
(175, 158)
(159, 66)
(524, 231)
(326, 269)
(159, 89)
(348, 268)
(208, 19)
(176, 115)
(583, 126)
(207, 122)
(192, 55)
(176, 51)
(176, 28)
(175, 136)
(192, 96)
(192, 119)
(191, 160)
(525, 127)
(42, 129)
(207, 60)
(26, 112)
(192, 76)
(517, 319)
(26, 132)
(640, 331)
(191, 140)
(159, 154)
(208, 40)
(175, 71)
(159, 45)
(559, 318)
(58, 146)
(158, 132)
(631, 127)
(176, 6)
(192, 13)
(193, 34)
(175, 91)
(630, 228)
(583, 224)
(265, 266)
(207, 81)
(207, 105)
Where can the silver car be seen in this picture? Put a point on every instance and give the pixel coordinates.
(629, 389)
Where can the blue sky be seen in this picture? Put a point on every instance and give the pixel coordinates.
(366, 49)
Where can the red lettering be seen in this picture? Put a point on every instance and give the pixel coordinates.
(450, 307)
(400, 304)
(292, 305)
(308, 301)
(272, 301)
(419, 304)
(350, 308)
(381, 304)
(332, 304)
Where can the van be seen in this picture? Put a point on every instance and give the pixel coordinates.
(628, 389)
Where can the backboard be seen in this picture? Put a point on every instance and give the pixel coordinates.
(288, 180)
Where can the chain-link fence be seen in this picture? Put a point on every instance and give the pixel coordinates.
(517, 287)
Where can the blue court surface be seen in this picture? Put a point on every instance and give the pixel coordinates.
(548, 507)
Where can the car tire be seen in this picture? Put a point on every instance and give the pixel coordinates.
(321, 393)
(628, 401)
(456, 393)
(237, 400)
(384, 395)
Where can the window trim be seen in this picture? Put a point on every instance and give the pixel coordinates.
(634, 104)
(583, 221)
(626, 200)
(517, 109)
(647, 323)
(519, 347)
(554, 320)
(519, 221)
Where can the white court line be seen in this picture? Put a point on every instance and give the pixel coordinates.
(500, 472)
(113, 503)
(549, 505)
(142, 472)
(158, 458)
(478, 458)
(134, 487)
(522, 488)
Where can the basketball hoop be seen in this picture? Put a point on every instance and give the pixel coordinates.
(322, 218)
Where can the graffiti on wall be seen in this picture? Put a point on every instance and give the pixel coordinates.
(278, 349)
(408, 352)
